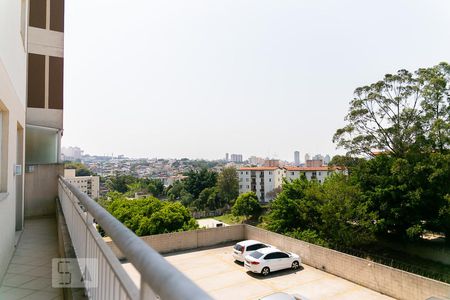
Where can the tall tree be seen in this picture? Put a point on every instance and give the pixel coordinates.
(197, 181)
(228, 185)
(247, 205)
(398, 113)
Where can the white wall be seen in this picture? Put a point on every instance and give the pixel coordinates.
(12, 105)
(12, 51)
(13, 112)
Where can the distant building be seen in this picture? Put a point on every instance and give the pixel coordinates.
(261, 180)
(326, 159)
(272, 163)
(307, 157)
(89, 185)
(258, 161)
(319, 173)
(297, 158)
(314, 163)
(236, 158)
(227, 157)
(72, 153)
(170, 180)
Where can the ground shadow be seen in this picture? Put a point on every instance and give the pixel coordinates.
(275, 274)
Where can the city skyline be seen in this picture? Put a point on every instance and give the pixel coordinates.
(199, 78)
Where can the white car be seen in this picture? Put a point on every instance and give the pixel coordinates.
(241, 249)
(267, 260)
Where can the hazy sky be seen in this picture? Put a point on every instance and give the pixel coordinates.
(191, 78)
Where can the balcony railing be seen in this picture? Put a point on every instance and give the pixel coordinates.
(159, 279)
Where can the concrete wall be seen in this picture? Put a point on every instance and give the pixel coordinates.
(41, 201)
(381, 278)
(178, 241)
(438, 252)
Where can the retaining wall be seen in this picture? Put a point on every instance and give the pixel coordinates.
(384, 279)
(186, 240)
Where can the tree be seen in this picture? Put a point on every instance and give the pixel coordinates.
(247, 205)
(208, 199)
(403, 111)
(228, 185)
(120, 183)
(80, 169)
(297, 206)
(197, 181)
(151, 215)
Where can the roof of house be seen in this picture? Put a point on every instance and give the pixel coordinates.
(322, 168)
(258, 168)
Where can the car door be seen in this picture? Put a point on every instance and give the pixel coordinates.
(277, 261)
(270, 260)
(284, 260)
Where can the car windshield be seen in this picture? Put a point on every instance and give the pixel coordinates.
(256, 254)
(238, 247)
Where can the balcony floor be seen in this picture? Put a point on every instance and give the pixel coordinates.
(29, 274)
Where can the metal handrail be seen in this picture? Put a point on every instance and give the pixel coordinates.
(159, 275)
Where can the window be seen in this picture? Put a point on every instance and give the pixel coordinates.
(320, 173)
(3, 151)
(271, 255)
(36, 80)
(248, 186)
(270, 179)
(246, 179)
(292, 173)
(281, 255)
(56, 15)
(270, 172)
(38, 13)
(55, 82)
(242, 173)
(240, 186)
(246, 173)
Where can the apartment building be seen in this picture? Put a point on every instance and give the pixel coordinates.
(261, 180)
(317, 173)
(89, 185)
(236, 158)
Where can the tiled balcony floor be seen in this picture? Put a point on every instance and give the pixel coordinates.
(30, 270)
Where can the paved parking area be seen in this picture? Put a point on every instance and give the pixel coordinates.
(215, 271)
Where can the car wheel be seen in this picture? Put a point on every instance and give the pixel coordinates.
(265, 271)
(295, 265)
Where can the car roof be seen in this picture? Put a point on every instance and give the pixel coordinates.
(249, 242)
(268, 250)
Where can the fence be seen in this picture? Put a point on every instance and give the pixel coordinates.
(159, 279)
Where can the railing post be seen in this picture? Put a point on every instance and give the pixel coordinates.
(146, 291)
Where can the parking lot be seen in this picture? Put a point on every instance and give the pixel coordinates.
(215, 271)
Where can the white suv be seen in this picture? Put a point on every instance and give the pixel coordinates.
(241, 249)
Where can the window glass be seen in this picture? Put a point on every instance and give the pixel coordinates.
(271, 255)
(41, 145)
(256, 254)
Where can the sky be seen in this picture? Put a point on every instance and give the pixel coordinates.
(197, 78)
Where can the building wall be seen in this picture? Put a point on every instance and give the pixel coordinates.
(261, 184)
(12, 46)
(40, 201)
(12, 123)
